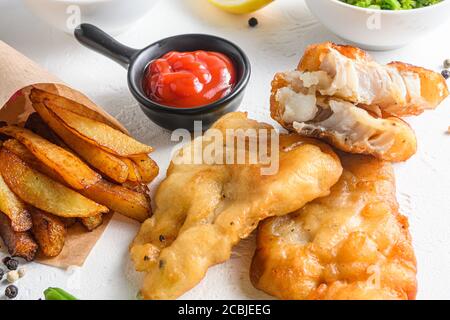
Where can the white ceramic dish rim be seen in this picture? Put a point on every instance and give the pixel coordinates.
(82, 1)
(388, 12)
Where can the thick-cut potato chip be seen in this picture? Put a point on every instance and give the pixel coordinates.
(147, 168)
(92, 223)
(108, 164)
(44, 193)
(99, 134)
(74, 171)
(19, 244)
(133, 171)
(49, 232)
(137, 187)
(130, 201)
(25, 155)
(14, 208)
(39, 96)
(36, 124)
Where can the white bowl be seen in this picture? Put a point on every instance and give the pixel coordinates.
(113, 16)
(378, 29)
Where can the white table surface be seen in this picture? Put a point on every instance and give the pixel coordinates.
(286, 27)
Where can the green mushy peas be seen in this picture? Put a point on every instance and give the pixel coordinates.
(392, 4)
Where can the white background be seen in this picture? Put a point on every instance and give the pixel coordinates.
(286, 27)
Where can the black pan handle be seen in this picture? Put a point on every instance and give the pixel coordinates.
(96, 39)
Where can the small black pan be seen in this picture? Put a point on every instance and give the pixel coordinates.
(137, 61)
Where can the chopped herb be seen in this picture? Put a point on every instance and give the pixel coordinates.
(392, 4)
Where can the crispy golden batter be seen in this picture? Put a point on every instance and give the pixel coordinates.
(352, 244)
(203, 210)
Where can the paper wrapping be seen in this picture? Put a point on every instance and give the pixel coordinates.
(18, 75)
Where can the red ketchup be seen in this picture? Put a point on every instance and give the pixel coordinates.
(189, 79)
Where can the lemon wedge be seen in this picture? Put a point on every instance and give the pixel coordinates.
(240, 6)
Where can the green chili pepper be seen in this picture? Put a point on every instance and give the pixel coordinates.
(58, 294)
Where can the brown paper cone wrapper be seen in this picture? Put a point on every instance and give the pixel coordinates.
(18, 74)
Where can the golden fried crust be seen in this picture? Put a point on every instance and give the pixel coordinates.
(352, 244)
(276, 108)
(203, 210)
(315, 53)
(433, 88)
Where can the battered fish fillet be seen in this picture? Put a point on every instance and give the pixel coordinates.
(203, 210)
(338, 93)
(352, 244)
(341, 123)
(349, 73)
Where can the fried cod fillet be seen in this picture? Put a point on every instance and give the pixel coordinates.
(352, 244)
(203, 210)
(339, 94)
(351, 74)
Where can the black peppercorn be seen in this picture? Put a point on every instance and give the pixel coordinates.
(446, 74)
(2, 273)
(253, 22)
(12, 264)
(447, 63)
(11, 292)
(5, 260)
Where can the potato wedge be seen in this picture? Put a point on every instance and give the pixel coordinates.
(74, 171)
(92, 223)
(132, 202)
(98, 133)
(19, 244)
(133, 171)
(39, 96)
(137, 187)
(36, 124)
(129, 203)
(108, 164)
(49, 232)
(44, 193)
(147, 168)
(26, 156)
(14, 208)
